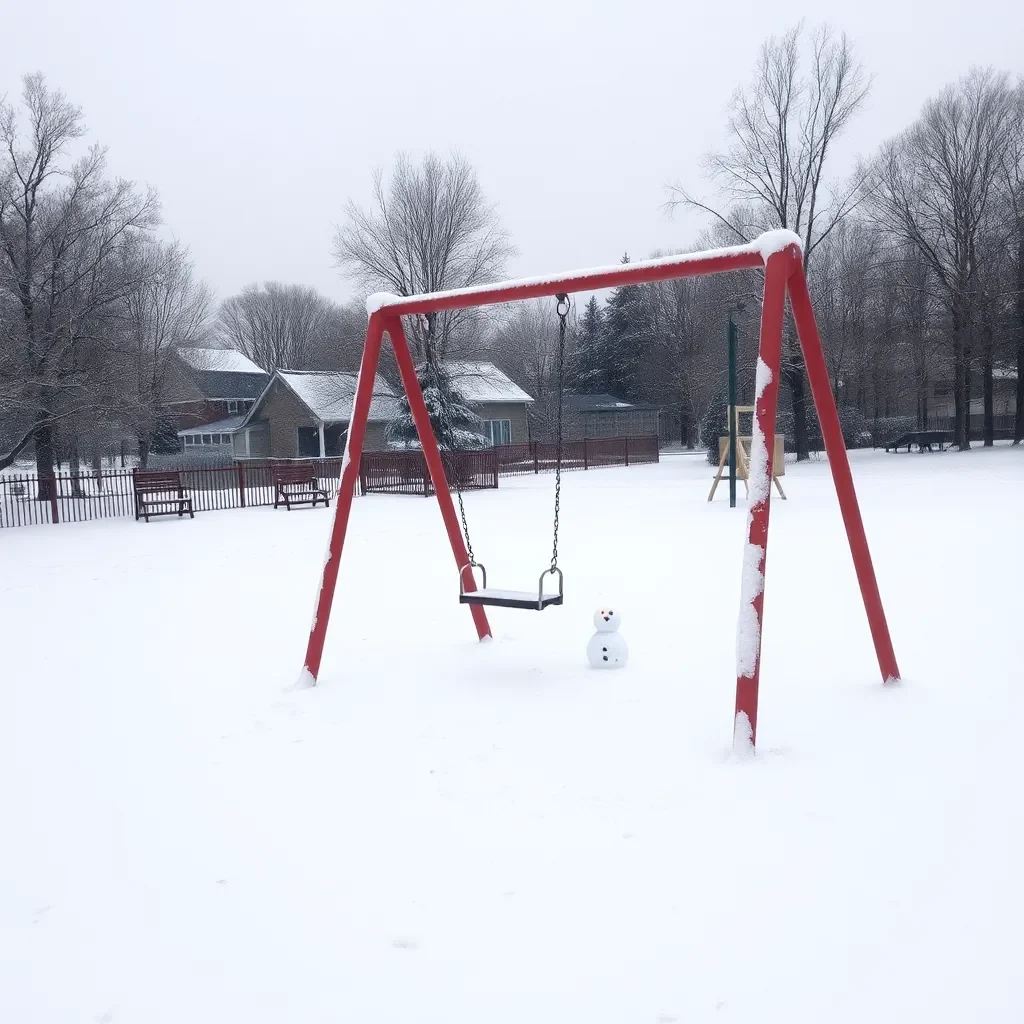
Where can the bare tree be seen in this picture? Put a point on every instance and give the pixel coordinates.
(937, 190)
(167, 308)
(429, 228)
(783, 127)
(525, 345)
(1014, 188)
(282, 326)
(65, 235)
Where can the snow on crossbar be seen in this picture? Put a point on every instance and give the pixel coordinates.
(752, 256)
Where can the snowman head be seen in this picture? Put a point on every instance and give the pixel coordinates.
(607, 620)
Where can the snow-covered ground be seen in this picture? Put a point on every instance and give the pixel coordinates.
(451, 832)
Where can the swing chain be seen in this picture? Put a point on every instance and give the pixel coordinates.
(562, 309)
(462, 513)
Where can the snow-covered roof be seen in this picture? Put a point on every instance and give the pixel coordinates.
(596, 403)
(480, 382)
(223, 360)
(226, 426)
(329, 394)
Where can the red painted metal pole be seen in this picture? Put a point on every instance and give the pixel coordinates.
(418, 408)
(762, 450)
(835, 447)
(346, 490)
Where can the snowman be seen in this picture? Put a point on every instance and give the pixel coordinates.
(606, 648)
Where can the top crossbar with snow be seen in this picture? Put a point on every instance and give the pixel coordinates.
(752, 256)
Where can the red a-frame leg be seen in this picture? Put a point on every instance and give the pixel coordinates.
(784, 272)
(835, 447)
(421, 418)
(350, 474)
(762, 453)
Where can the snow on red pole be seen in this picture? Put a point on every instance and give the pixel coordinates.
(762, 451)
(842, 477)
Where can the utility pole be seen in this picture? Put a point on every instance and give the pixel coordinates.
(733, 338)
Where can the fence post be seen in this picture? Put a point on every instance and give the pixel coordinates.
(536, 464)
(586, 455)
(241, 484)
(48, 485)
(627, 448)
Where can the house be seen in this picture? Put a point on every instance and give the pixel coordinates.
(604, 415)
(941, 405)
(210, 391)
(305, 414)
(502, 405)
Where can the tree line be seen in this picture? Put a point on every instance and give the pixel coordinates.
(914, 261)
(93, 302)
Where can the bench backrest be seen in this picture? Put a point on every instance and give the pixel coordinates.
(304, 474)
(151, 480)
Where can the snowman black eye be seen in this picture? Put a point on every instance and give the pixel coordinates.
(605, 658)
(605, 649)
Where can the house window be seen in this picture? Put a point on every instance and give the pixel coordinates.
(309, 443)
(189, 440)
(499, 431)
(207, 438)
(238, 405)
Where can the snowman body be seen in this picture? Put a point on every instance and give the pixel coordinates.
(606, 648)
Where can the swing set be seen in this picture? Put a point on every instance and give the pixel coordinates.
(779, 254)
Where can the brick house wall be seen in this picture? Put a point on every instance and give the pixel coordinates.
(284, 413)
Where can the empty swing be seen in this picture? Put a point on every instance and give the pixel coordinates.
(528, 600)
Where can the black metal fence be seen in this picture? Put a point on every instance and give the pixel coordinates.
(28, 500)
(406, 472)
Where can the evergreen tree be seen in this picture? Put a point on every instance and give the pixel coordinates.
(626, 337)
(584, 371)
(456, 426)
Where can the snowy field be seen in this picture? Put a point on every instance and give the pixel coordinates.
(459, 833)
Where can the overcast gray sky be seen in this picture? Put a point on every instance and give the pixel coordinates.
(256, 119)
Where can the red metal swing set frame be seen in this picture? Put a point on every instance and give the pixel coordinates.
(779, 254)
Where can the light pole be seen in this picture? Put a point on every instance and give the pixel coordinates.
(733, 334)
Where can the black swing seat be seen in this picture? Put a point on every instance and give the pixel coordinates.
(527, 600)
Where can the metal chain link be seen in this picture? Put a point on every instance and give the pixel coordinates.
(563, 315)
(465, 524)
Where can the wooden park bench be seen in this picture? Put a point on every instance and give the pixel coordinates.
(160, 494)
(297, 485)
(924, 439)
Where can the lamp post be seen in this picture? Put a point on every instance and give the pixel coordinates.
(733, 335)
